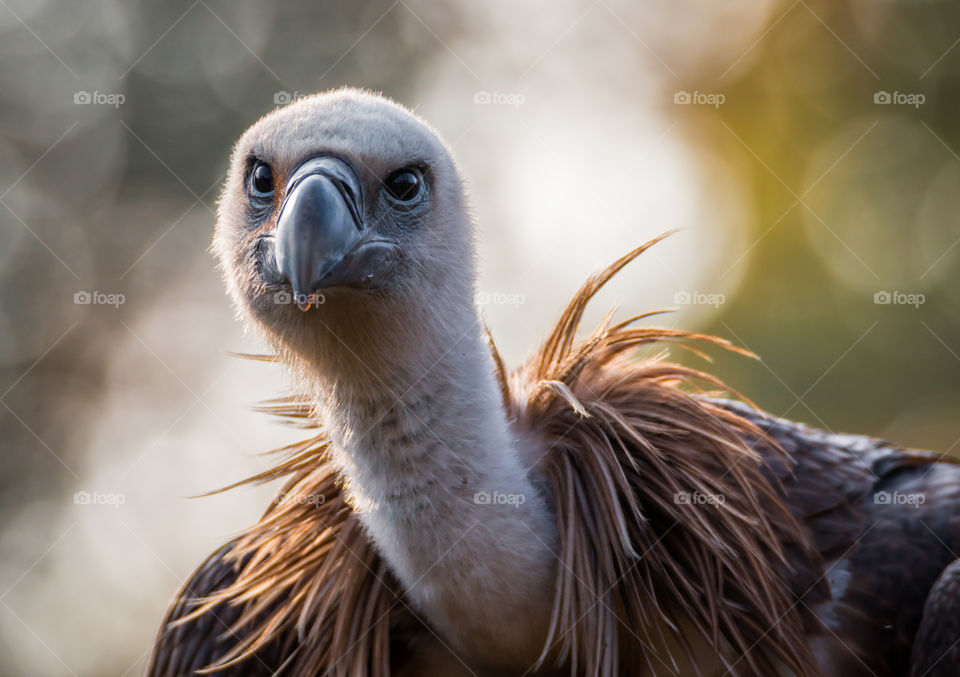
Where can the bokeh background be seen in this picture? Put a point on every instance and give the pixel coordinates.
(808, 150)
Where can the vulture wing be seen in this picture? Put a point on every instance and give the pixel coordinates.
(936, 652)
(302, 592)
(886, 525)
(183, 648)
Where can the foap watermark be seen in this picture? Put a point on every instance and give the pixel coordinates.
(698, 498)
(99, 498)
(316, 500)
(913, 499)
(84, 98)
(285, 298)
(284, 97)
(499, 298)
(497, 498)
(915, 99)
(98, 298)
(495, 98)
(684, 98)
(698, 298)
(899, 298)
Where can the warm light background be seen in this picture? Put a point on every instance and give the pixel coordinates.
(799, 199)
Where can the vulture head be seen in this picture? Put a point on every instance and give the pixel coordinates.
(343, 233)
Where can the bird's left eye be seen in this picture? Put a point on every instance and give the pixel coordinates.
(261, 180)
(404, 185)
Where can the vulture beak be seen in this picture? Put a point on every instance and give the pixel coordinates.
(321, 239)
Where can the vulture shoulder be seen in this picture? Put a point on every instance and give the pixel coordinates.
(301, 592)
(936, 652)
(885, 522)
(186, 644)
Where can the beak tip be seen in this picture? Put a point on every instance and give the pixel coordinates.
(301, 298)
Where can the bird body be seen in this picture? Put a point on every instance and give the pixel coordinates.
(587, 513)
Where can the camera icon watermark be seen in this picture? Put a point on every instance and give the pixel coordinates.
(283, 97)
(84, 98)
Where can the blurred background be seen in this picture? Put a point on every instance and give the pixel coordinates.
(807, 150)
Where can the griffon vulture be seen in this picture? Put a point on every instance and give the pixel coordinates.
(589, 513)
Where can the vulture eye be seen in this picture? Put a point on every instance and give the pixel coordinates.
(404, 185)
(261, 180)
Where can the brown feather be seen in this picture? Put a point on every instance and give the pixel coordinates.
(624, 439)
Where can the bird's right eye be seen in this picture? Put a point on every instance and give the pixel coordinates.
(261, 180)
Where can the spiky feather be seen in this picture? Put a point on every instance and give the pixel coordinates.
(625, 439)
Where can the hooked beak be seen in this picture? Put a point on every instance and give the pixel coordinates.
(321, 239)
